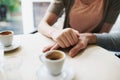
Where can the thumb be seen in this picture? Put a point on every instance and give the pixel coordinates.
(74, 51)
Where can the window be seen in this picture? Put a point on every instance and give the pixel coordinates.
(27, 18)
(32, 13)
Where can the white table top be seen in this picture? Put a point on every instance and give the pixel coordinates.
(94, 63)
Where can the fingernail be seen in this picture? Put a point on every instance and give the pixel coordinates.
(71, 55)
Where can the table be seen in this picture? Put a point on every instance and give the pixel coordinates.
(94, 63)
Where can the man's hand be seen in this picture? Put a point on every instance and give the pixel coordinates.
(84, 40)
(82, 44)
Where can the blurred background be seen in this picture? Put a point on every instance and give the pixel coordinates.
(22, 16)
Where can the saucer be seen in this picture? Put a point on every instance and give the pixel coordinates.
(67, 74)
(14, 45)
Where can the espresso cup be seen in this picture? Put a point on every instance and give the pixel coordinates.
(6, 38)
(53, 61)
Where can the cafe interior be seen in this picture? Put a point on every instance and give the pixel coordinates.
(22, 60)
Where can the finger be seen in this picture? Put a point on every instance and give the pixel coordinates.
(56, 46)
(78, 34)
(65, 40)
(74, 51)
(75, 37)
(60, 43)
(47, 48)
(69, 38)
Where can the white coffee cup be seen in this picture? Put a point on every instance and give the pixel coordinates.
(53, 61)
(6, 37)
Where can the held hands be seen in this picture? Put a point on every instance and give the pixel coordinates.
(82, 43)
(65, 38)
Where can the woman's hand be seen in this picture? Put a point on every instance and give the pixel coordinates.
(66, 38)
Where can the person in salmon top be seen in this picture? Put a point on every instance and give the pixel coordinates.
(81, 16)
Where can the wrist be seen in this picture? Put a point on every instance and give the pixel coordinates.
(90, 37)
(54, 34)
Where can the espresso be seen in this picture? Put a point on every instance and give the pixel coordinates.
(54, 56)
(5, 33)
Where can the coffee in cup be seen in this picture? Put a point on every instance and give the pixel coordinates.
(54, 56)
(6, 37)
(53, 61)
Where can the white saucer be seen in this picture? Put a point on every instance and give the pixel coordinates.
(67, 74)
(14, 45)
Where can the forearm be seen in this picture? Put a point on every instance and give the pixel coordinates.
(108, 41)
(46, 23)
(46, 29)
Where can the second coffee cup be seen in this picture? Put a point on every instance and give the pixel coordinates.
(6, 37)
